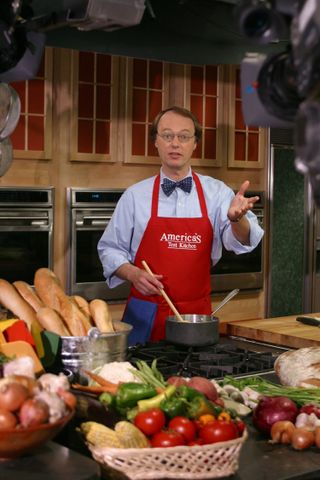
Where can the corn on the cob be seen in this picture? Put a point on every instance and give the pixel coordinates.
(100, 436)
(130, 436)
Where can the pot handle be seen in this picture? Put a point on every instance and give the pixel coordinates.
(225, 300)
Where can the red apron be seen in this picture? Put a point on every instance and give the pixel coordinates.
(180, 250)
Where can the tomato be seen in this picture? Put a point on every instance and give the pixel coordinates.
(196, 441)
(184, 426)
(167, 438)
(219, 431)
(151, 421)
(240, 426)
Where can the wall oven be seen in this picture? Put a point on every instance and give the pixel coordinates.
(89, 212)
(243, 271)
(26, 231)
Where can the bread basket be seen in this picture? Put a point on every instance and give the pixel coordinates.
(204, 461)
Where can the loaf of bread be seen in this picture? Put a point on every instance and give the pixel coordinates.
(11, 299)
(296, 368)
(49, 289)
(29, 295)
(101, 315)
(50, 320)
(83, 304)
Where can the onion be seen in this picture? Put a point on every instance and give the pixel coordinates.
(12, 396)
(302, 439)
(271, 410)
(33, 412)
(7, 419)
(204, 386)
(281, 432)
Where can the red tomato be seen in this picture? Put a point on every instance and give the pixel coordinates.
(184, 426)
(196, 441)
(219, 431)
(167, 438)
(240, 426)
(151, 421)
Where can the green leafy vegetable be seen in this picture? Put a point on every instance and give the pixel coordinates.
(299, 395)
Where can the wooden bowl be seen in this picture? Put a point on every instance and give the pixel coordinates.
(15, 442)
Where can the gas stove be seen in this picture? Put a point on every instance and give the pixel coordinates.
(231, 356)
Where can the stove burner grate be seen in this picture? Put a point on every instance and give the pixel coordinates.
(213, 361)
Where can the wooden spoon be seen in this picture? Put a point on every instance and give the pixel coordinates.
(163, 293)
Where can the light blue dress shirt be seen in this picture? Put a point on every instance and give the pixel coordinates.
(122, 236)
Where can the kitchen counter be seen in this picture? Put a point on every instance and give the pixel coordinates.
(284, 331)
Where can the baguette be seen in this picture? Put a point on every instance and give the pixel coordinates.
(101, 315)
(50, 320)
(29, 295)
(11, 299)
(49, 289)
(82, 304)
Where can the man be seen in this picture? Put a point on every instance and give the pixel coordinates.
(176, 228)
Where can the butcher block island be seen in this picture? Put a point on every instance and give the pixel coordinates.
(285, 331)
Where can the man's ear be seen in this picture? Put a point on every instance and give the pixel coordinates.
(195, 146)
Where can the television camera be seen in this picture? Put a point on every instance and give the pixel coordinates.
(282, 90)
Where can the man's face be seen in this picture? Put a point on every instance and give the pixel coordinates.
(175, 154)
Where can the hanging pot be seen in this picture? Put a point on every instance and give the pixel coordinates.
(5, 155)
(10, 108)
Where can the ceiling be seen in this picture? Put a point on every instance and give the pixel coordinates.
(182, 31)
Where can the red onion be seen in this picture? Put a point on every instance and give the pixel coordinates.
(273, 409)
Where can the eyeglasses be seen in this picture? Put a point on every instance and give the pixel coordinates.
(169, 137)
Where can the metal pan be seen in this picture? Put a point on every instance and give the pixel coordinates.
(195, 329)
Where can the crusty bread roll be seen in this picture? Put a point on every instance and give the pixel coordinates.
(49, 289)
(50, 320)
(101, 315)
(301, 367)
(82, 304)
(11, 299)
(28, 293)
(85, 319)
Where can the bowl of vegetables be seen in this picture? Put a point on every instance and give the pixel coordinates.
(32, 411)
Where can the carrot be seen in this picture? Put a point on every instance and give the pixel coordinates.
(101, 381)
(94, 389)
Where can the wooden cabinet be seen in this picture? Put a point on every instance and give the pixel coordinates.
(95, 107)
(145, 94)
(247, 146)
(32, 137)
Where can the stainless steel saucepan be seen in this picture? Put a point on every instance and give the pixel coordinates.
(196, 329)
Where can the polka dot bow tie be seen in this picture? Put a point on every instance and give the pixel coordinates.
(168, 186)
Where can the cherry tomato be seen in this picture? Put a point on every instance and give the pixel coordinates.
(219, 431)
(167, 438)
(151, 421)
(184, 426)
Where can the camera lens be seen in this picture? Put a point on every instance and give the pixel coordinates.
(277, 87)
(257, 23)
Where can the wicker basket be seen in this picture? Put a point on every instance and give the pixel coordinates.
(206, 461)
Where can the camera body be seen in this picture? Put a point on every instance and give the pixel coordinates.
(283, 90)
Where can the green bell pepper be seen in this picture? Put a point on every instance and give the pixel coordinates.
(130, 393)
(188, 393)
(173, 407)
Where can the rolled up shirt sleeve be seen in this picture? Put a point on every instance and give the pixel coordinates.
(114, 245)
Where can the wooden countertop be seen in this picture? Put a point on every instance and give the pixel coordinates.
(279, 331)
